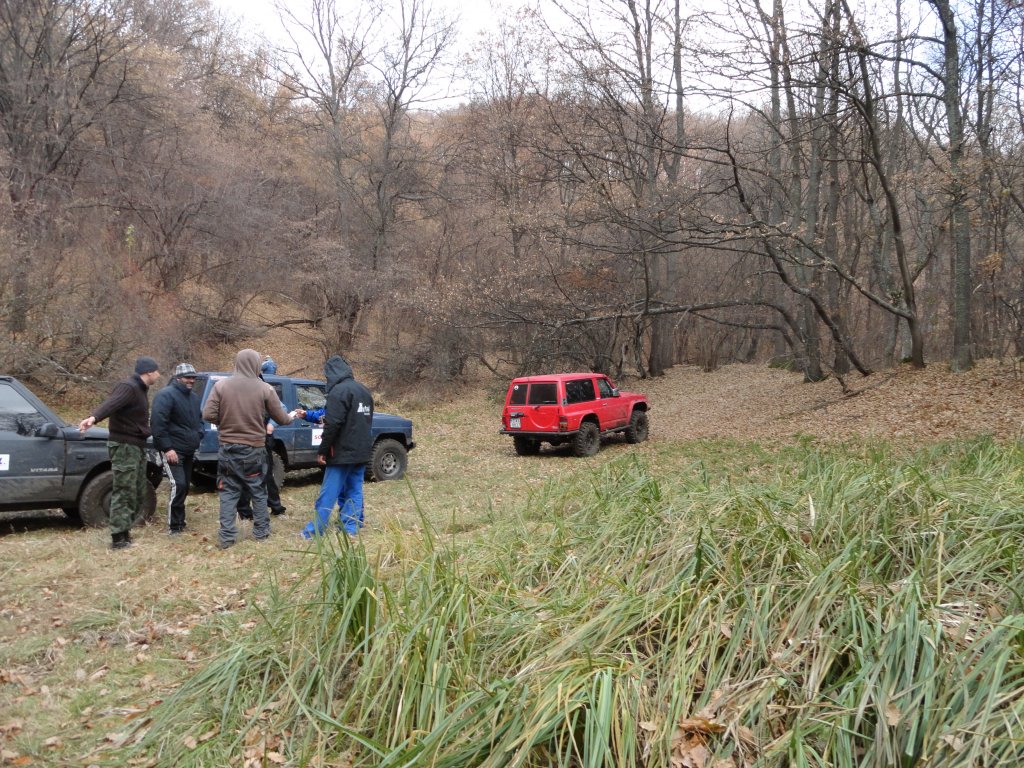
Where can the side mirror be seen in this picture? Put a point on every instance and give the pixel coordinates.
(49, 429)
(615, 391)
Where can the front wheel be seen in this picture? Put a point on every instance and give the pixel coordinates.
(94, 502)
(636, 432)
(388, 461)
(588, 440)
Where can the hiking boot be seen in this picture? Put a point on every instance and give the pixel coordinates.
(278, 510)
(120, 540)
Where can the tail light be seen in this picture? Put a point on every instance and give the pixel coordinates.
(563, 424)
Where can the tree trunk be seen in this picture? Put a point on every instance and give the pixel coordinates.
(960, 222)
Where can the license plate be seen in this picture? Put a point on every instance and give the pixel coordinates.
(515, 423)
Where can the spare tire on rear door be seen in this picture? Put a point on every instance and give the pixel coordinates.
(94, 501)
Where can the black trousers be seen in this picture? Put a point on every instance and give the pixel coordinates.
(179, 476)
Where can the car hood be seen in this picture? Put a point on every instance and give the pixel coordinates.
(93, 433)
(98, 434)
(389, 422)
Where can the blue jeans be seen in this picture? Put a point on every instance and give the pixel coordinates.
(343, 484)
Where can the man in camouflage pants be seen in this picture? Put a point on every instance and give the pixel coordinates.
(128, 409)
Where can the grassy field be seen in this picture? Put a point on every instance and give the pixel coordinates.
(679, 603)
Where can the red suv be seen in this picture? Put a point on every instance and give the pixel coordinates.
(570, 407)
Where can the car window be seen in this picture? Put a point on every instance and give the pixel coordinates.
(310, 396)
(16, 413)
(579, 391)
(605, 388)
(543, 393)
(199, 387)
(518, 396)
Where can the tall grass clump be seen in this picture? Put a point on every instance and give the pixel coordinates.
(819, 606)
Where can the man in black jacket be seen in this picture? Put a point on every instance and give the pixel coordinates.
(177, 431)
(128, 409)
(344, 449)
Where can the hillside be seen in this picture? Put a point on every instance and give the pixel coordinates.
(756, 402)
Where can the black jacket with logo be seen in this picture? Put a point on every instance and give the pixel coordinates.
(347, 417)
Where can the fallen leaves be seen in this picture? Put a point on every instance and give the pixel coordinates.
(261, 748)
(751, 402)
(690, 739)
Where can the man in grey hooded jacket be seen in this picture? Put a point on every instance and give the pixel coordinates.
(238, 406)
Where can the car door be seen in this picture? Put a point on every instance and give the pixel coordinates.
(580, 401)
(308, 436)
(612, 406)
(31, 467)
(210, 444)
(542, 407)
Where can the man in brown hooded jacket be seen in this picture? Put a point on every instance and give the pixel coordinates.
(239, 405)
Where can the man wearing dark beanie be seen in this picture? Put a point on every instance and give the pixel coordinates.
(128, 409)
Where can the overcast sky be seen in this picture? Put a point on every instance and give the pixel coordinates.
(260, 17)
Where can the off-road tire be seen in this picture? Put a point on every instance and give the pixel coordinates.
(388, 461)
(277, 468)
(638, 427)
(526, 446)
(94, 502)
(72, 514)
(588, 440)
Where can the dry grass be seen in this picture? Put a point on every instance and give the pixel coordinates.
(91, 639)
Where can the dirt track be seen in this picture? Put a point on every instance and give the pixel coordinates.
(756, 402)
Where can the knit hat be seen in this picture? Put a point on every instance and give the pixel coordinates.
(146, 365)
(184, 369)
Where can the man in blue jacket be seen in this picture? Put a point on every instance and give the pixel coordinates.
(344, 450)
(177, 431)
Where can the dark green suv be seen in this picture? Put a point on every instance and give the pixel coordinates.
(47, 464)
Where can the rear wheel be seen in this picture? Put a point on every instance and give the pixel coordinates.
(94, 502)
(636, 432)
(588, 440)
(277, 468)
(526, 446)
(389, 460)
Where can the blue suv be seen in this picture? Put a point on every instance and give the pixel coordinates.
(296, 444)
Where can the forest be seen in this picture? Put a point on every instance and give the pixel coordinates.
(616, 185)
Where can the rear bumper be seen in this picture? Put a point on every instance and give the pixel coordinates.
(537, 435)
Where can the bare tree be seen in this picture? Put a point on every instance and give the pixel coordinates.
(63, 63)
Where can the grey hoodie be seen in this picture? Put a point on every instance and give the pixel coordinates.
(239, 404)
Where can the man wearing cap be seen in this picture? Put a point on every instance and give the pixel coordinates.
(177, 431)
(128, 409)
(238, 405)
